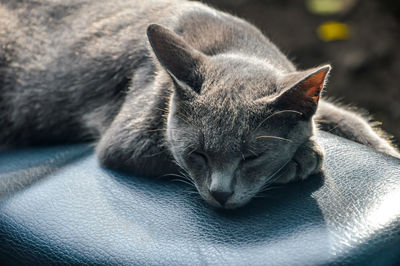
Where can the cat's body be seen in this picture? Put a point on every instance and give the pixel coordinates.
(83, 70)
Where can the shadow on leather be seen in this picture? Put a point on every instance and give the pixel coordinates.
(21, 168)
(173, 212)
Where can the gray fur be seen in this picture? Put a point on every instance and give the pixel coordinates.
(209, 94)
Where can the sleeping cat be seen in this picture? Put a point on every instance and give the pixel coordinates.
(166, 87)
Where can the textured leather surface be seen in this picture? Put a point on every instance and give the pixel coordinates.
(76, 212)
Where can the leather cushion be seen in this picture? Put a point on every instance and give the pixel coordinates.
(75, 212)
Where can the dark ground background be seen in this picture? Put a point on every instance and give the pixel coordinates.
(366, 67)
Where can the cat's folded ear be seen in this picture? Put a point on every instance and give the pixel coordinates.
(178, 58)
(302, 90)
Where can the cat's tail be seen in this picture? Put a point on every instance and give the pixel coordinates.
(353, 126)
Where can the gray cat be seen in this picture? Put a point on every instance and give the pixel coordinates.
(165, 87)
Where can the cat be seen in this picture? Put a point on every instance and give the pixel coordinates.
(164, 88)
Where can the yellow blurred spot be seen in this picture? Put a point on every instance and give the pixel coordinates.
(332, 31)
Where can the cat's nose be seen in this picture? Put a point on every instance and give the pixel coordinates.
(221, 196)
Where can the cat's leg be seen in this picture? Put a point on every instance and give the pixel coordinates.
(308, 158)
(353, 126)
(138, 151)
(134, 141)
(306, 161)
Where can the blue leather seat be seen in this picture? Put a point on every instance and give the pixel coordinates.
(75, 212)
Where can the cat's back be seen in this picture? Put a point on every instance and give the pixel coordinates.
(43, 27)
(63, 59)
(42, 34)
(60, 60)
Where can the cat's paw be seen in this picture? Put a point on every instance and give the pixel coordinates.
(306, 161)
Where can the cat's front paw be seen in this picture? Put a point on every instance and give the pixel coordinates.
(306, 161)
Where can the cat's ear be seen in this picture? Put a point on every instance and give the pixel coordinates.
(302, 90)
(177, 57)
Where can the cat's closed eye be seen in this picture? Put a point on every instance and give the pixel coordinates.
(251, 158)
(199, 157)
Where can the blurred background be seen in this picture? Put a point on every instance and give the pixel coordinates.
(361, 39)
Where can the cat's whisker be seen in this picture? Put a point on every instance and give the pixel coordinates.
(275, 175)
(192, 146)
(183, 108)
(252, 152)
(153, 154)
(187, 176)
(184, 115)
(184, 119)
(161, 129)
(262, 195)
(194, 149)
(191, 192)
(183, 171)
(269, 188)
(161, 109)
(184, 131)
(332, 129)
(183, 181)
(194, 195)
(273, 137)
(182, 140)
(171, 174)
(179, 130)
(189, 147)
(181, 176)
(277, 113)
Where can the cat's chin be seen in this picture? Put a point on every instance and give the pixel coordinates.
(232, 203)
(228, 205)
(236, 205)
(232, 206)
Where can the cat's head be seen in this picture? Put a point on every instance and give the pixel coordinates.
(234, 122)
